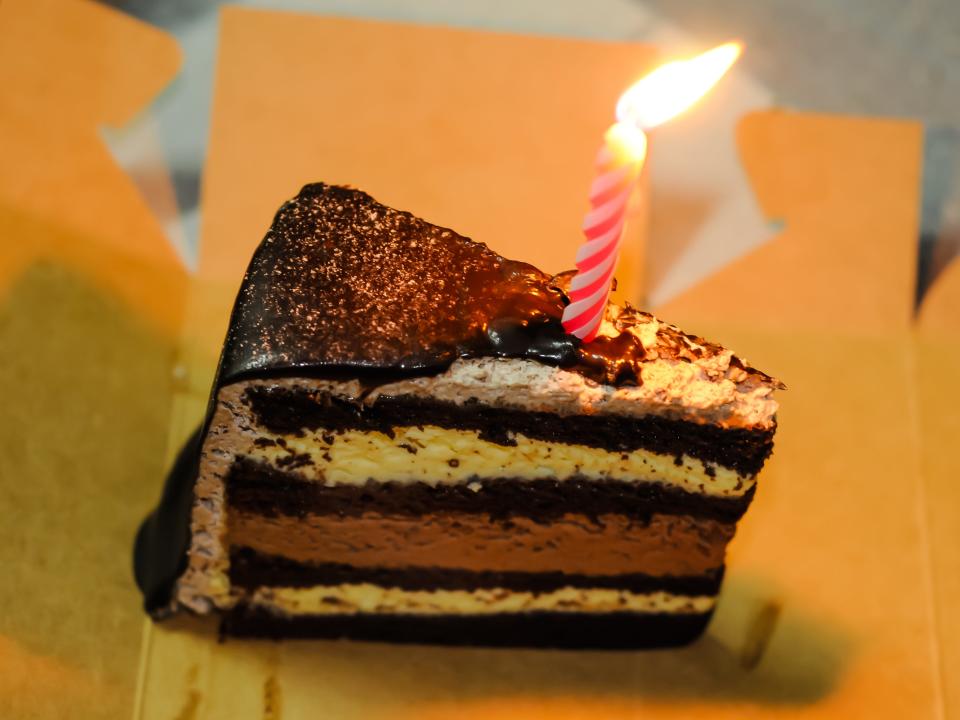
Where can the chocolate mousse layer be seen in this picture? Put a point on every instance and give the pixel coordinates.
(607, 545)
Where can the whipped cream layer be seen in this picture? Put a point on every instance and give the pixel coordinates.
(708, 390)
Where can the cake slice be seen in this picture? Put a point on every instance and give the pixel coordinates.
(403, 444)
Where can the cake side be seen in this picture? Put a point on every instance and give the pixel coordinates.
(340, 506)
(581, 504)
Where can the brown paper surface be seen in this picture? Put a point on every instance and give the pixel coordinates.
(834, 603)
(91, 297)
(937, 372)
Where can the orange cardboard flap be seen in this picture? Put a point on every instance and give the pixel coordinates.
(67, 69)
(492, 135)
(464, 128)
(846, 191)
(90, 303)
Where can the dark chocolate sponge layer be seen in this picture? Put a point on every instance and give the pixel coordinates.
(250, 569)
(285, 411)
(261, 488)
(585, 631)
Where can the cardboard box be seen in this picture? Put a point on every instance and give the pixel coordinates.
(842, 577)
(827, 609)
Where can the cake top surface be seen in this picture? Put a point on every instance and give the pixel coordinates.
(342, 284)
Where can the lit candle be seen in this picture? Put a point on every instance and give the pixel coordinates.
(659, 96)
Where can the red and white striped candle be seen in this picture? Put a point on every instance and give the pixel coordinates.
(659, 96)
(619, 164)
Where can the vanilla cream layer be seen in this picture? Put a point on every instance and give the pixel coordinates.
(436, 455)
(368, 598)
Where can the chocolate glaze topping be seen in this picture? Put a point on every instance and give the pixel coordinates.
(342, 283)
(344, 286)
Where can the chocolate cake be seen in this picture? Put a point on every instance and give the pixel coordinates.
(403, 444)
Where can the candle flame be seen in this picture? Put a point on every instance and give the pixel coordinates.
(674, 87)
(627, 144)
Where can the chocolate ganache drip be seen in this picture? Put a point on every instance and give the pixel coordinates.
(344, 285)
